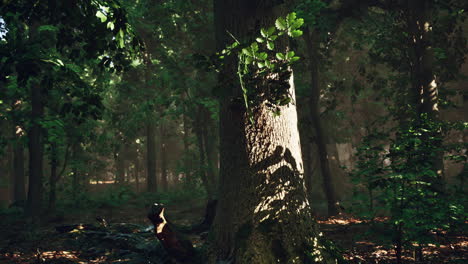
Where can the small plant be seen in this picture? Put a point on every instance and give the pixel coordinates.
(405, 185)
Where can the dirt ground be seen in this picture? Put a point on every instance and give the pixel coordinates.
(22, 243)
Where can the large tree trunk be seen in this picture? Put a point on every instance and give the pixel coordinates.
(36, 144)
(263, 214)
(311, 39)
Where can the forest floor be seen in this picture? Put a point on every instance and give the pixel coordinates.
(129, 240)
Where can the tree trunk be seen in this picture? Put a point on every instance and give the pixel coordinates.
(137, 174)
(263, 214)
(424, 90)
(19, 180)
(53, 177)
(119, 167)
(187, 161)
(151, 156)
(35, 144)
(314, 59)
(203, 168)
(209, 140)
(163, 154)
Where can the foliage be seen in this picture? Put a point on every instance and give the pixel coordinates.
(262, 61)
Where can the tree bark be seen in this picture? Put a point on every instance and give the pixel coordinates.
(312, 43)
(36, 145)
(263, 214)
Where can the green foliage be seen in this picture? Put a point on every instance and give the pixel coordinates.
(262, 60)
(403, 184)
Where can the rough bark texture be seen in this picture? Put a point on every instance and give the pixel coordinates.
(312, 47)
(263, 214)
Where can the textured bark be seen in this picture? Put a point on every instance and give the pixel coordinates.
(263, 214)
(36, 153)
(312, 49)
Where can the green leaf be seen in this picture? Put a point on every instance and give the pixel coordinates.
(298, 23)
(294, 59)
(280, 56)
(261, 64)
(291, 17)
(270, 45)
(262, 55)
(247, 52)
(101, 15)
(271, 30)
(110, 25)
(280, 24)
(264, 33)
(290, 54)
(254, 47)
(295, 33)
(259, 40)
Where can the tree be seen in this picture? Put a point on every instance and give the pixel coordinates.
(263, 214)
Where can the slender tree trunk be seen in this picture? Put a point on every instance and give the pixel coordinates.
(311, 39)
(151, 157)
(53, 177)
(164, 180)
(187, 163)
(263, 214)
(198, 126)
(137, 174)
(209, 140)
(119, 167)
(424, 90)
(35, 136)
(19, 180)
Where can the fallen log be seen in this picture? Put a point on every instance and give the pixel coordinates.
(178, 247)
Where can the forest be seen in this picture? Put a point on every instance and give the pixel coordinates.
(233, 131)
